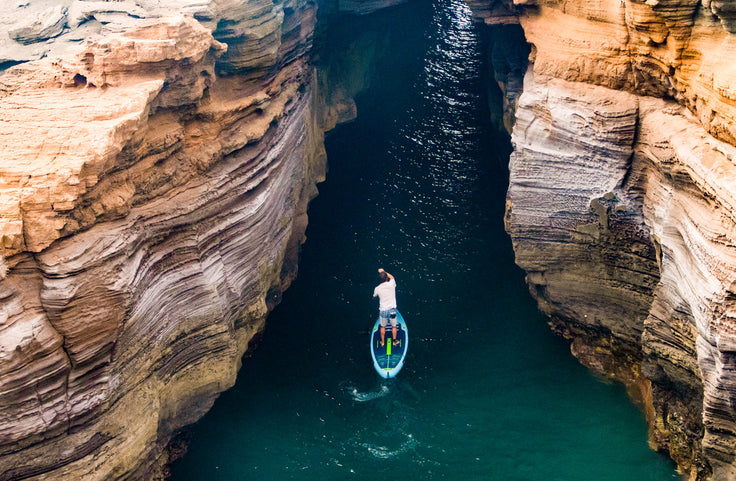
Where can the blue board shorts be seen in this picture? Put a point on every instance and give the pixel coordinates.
(386, 315)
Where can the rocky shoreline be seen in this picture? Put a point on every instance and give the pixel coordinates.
(159, 159)
(154, 199)
(620, 205)
(158, 168)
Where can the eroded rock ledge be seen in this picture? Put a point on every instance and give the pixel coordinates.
(621, 205)
(159, 156)
(154, 187)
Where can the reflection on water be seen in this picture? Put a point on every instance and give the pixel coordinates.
(416, 185)
(430, 152)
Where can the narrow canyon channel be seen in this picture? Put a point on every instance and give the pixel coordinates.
(416, 185)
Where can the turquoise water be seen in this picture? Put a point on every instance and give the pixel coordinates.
(416, 185)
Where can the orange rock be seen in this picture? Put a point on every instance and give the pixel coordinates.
(148, 208)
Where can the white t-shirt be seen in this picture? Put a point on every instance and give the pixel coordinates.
(386, 292)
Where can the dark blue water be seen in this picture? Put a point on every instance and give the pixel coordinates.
(416, 185)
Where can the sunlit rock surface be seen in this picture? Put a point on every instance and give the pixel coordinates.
(621, 207)
(151, 213)
(591, 259)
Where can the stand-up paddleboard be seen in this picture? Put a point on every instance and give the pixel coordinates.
(389, 358)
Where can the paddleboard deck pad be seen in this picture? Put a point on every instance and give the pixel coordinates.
(389, 358)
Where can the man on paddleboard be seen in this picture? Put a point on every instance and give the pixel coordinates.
(386, 293)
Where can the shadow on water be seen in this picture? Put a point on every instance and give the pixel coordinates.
(417, 185)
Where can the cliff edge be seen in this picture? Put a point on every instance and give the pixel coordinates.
(155, 180)
(621, 205)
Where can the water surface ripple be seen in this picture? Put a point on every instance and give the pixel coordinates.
(416, 185)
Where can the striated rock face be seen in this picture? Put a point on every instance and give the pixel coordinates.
(259, 33)
(686, 179)
(587, 247)
(621, 207)
(151, 212)
(669, 49)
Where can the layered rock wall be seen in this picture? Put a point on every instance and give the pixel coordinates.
(154, 192)
(591, 259)
(158, 158)
(620, 205)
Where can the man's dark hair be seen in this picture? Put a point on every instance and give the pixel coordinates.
(383, 276)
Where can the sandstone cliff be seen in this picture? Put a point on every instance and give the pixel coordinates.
(621, 208)
(154, 186)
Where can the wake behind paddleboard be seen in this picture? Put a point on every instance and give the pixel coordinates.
(389, 358)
